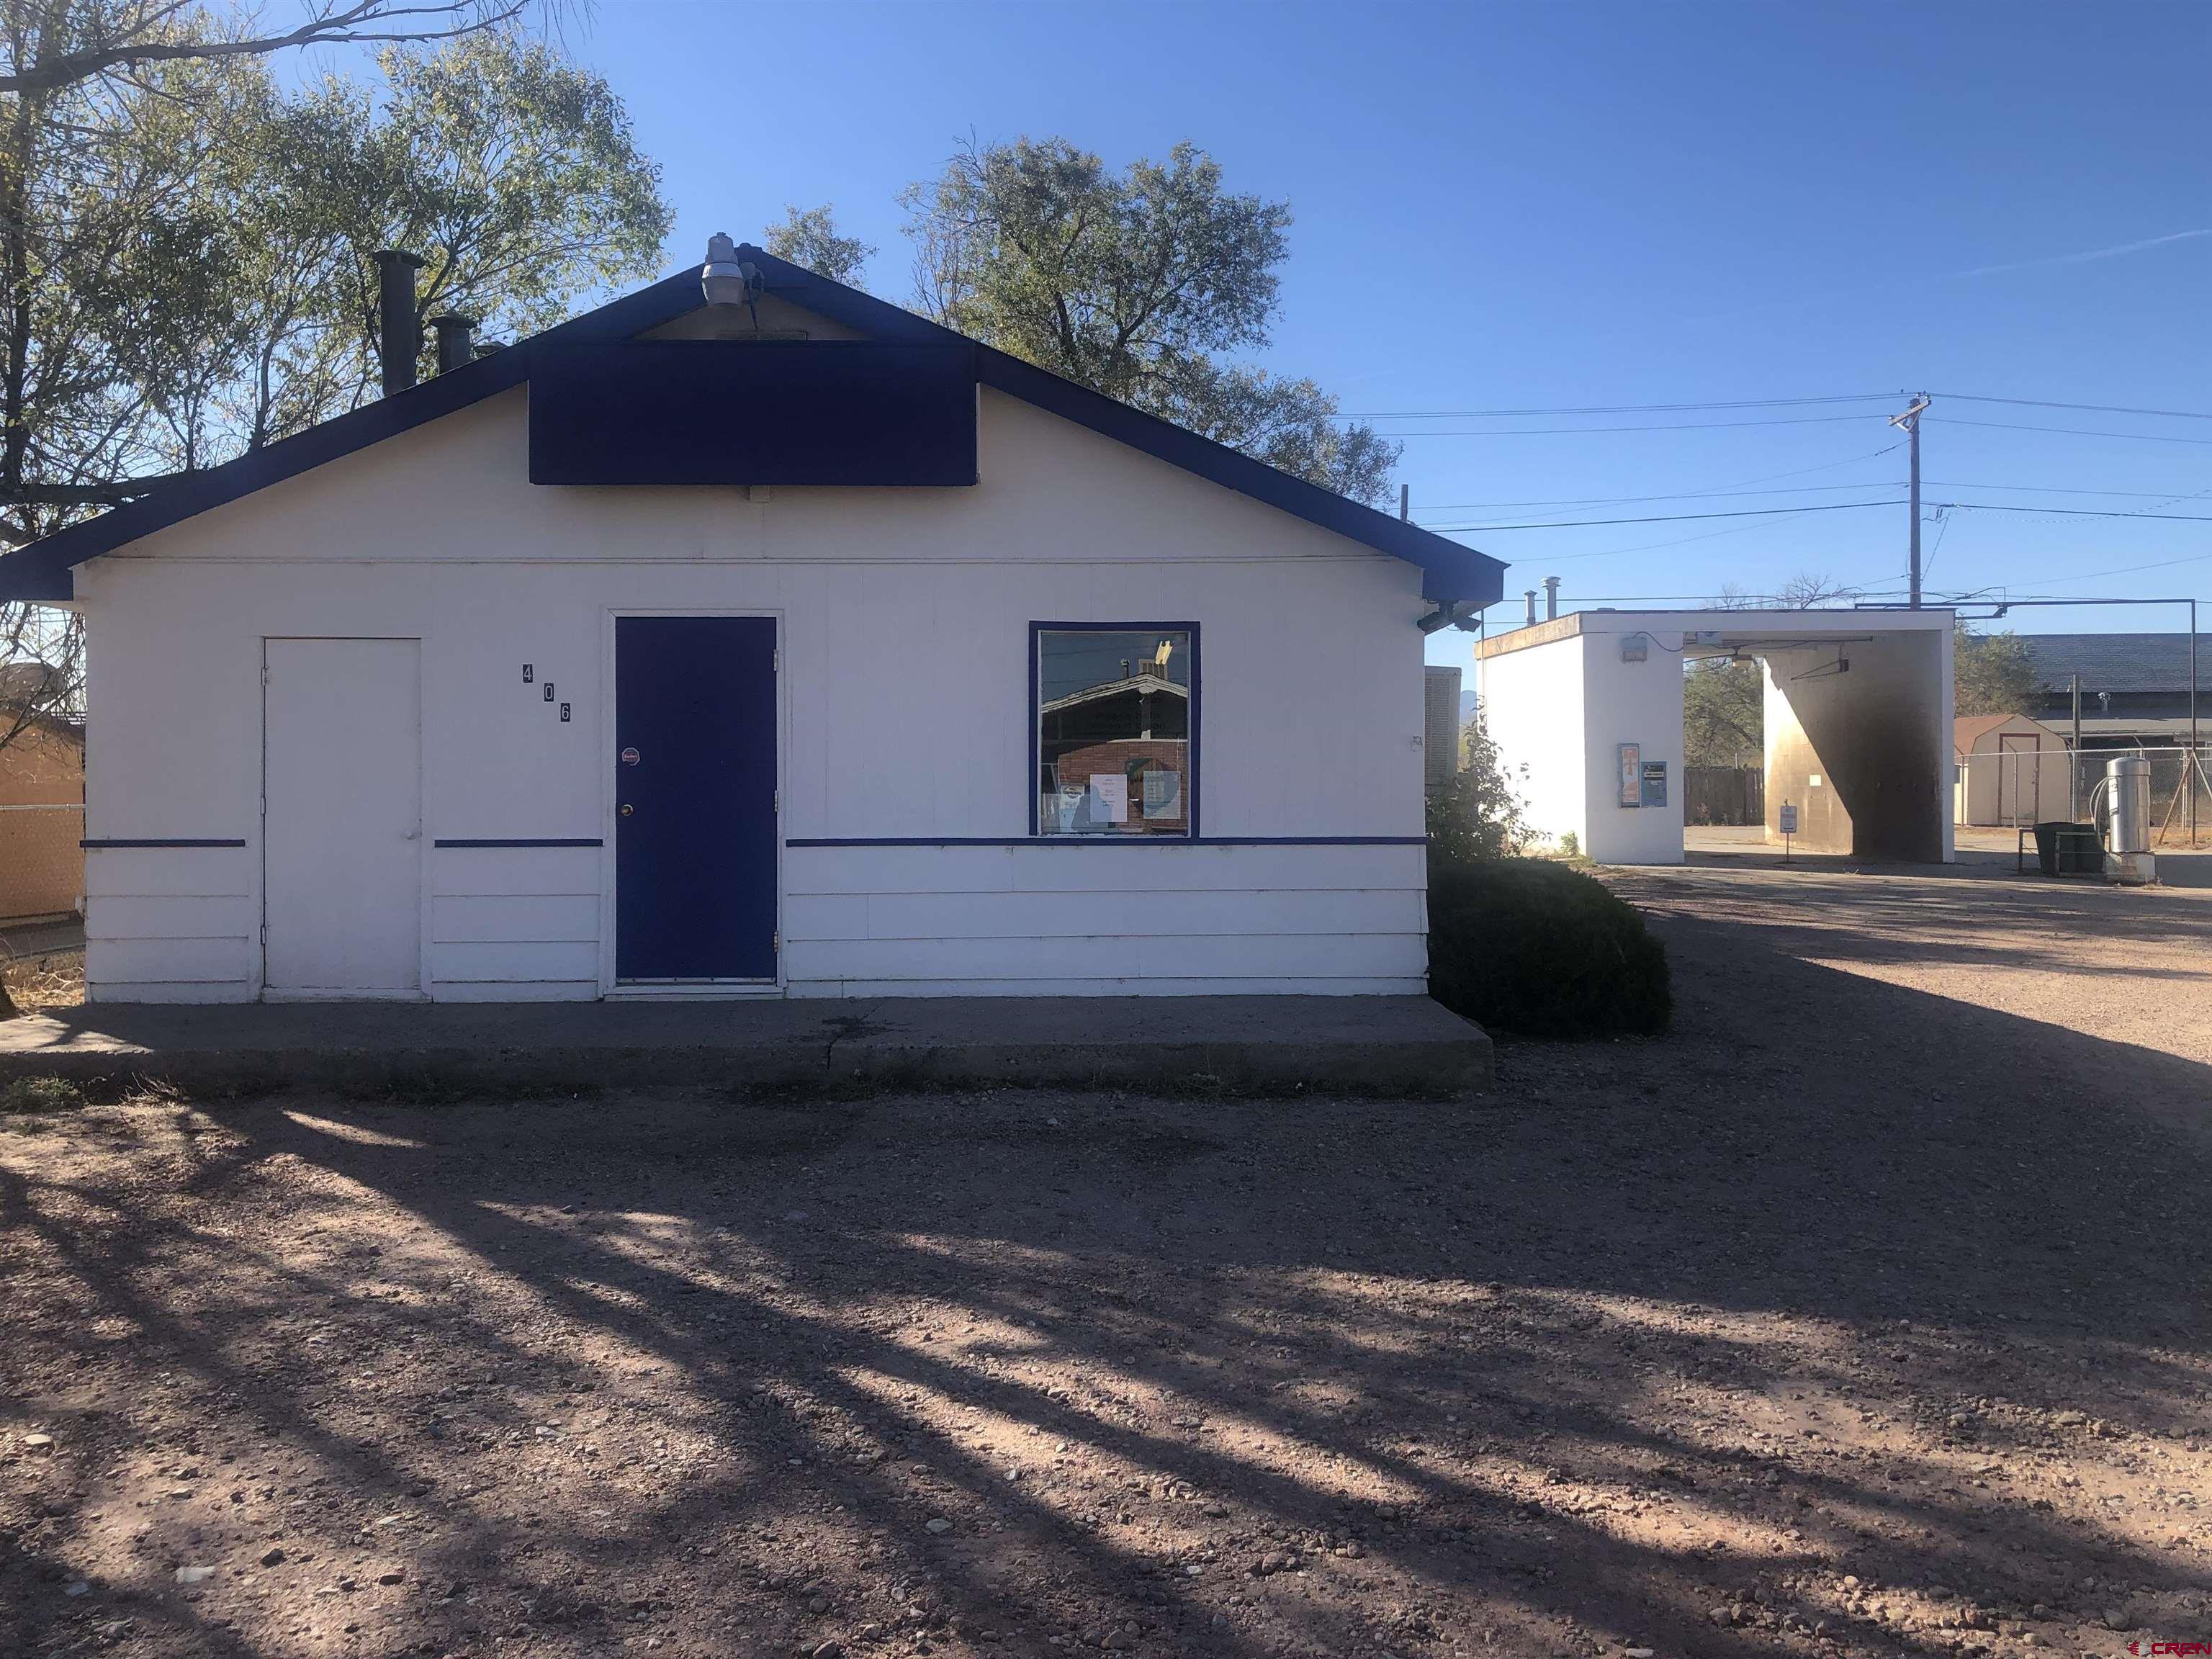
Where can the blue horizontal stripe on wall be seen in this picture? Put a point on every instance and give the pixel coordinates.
(102, 845)
(1109, 841)
(555, 841)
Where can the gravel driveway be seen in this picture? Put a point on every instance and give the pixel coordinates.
(1864, 1315)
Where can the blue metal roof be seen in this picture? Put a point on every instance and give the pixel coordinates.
(1453, 575)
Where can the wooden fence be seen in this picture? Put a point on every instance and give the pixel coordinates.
(1723, 794)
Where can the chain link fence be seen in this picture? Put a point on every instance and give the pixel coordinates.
(2012, 788)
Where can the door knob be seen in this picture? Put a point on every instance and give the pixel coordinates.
(627, 809)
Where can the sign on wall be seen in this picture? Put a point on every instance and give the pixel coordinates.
(1631, 773)
(1655, 783)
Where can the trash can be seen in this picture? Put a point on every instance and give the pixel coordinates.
(2046, 847)
(2068, 849)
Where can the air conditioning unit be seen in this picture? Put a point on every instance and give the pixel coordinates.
(1440, 725)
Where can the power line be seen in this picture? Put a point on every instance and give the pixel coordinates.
(1831, 507)
(1684, 495)
(1616, 408)
(1648, 547)
(2058, 489)
(1669, 518)
(2094, 409)
(2061, 512)
(1669, 426)
(1622, 501)
(1943, 531)
(2064, 431)
(1807, 489)
(2123, 570)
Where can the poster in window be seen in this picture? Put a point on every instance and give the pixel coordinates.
(1068, 806)
(1109, 798)
(1162, 793)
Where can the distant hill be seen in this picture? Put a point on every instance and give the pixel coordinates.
(1466, 707)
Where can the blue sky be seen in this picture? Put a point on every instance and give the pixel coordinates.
(1535, 206)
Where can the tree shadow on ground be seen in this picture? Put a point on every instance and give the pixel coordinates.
(1802, 1316)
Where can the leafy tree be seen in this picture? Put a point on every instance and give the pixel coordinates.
(1992, 673)
(810, 238)
(184, 254)
(191, 279)
(1135, 285)
(1723, 713)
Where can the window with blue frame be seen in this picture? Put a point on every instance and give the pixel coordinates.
(1115, 720)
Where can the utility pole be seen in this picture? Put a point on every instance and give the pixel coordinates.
(2074, 761)
(1910, 421)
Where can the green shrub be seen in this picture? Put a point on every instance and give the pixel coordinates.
(1477, 815)
(1531, 946)
(39, 1094)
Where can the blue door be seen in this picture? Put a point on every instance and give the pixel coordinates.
(694, 798)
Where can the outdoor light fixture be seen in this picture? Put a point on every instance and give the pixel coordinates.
(723, 279)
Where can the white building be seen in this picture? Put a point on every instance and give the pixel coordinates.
(798, 647)
(1586, 710)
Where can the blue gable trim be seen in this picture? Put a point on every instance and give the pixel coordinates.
(739, 412)
(1452, 575)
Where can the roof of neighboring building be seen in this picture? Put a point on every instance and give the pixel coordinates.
(1136, 685)
(1777, 628)
(2111, 662)
(2158, 731)
(1453, 574)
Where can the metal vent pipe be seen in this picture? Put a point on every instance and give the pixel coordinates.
(456, 340)
(399, 335)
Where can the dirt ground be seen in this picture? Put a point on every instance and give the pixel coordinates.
(1864, 1315)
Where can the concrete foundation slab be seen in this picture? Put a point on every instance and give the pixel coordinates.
(1376, 1044)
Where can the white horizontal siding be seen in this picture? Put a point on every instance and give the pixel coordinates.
(171, 924)
(1082, 913)
(1036, 867)
(185, 990)
(516, 918)
(114, 961)
(1315, 920)
(480, 872)
(514, 924)
(178, 915)
(513, 963)
(1148, 986)
(171, 871)
(1305, 956)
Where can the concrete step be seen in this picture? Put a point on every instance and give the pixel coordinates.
(1395, 1045)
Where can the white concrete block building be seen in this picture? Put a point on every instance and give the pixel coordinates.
(1586, 710)
(795, 648)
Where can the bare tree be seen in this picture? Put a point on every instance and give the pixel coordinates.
(53, 45)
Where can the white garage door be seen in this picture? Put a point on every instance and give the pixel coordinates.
(342, 831)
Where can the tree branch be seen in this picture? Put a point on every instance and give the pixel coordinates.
(345, 28)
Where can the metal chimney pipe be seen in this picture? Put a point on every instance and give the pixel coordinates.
(399, 337)
(1531, 597)
(1550, 597)
(456, 340)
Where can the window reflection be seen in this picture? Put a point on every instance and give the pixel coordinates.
(1112, 724)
